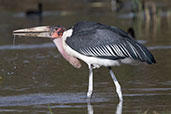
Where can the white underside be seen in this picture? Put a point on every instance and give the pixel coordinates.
(96, 62)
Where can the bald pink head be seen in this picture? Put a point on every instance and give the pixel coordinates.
(56, 31)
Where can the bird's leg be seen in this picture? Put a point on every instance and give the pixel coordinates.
(118, 87)
(90, 86)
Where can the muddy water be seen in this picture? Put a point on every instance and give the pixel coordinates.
(34, 78)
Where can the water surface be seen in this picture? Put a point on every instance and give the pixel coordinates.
(34, 76)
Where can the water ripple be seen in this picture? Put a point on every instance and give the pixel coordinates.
(159, 47)
(42, 98)
(24, 46)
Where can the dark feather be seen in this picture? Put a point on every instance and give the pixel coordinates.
(98, 40)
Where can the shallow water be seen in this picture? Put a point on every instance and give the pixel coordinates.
(34, 76)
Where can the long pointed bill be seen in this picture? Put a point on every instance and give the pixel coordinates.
(41, 31)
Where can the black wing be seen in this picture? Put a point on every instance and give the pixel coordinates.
(98, 40)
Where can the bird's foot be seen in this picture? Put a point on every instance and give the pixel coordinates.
(89, 96)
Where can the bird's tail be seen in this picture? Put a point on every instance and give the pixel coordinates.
(144, 54)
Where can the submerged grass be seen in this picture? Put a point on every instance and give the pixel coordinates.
(50, 110)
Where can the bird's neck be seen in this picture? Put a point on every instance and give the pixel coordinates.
(58, 43)
(72, 60)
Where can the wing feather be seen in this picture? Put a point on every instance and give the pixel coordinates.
(107, 42)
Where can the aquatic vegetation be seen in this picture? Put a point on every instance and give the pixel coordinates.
(50, 110)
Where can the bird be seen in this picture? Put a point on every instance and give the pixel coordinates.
(131, 32)
(35, 13)
(94, 43)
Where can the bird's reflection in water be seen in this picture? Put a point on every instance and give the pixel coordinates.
(118, 108)
(90, 108)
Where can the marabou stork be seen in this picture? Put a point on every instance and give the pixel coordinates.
(94, 43)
